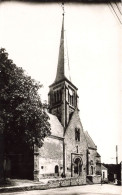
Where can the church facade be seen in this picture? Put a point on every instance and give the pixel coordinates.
(69, 151)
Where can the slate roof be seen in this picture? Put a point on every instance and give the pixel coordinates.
(56, 127)
(89, 140)
(63, 62)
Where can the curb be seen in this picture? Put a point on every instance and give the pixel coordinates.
(23, 188)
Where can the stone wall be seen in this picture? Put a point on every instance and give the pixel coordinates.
(67, 182)
(50, 156)
(95, 178)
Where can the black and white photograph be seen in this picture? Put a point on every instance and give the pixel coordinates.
(60, 97)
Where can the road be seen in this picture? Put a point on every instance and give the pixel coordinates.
(96, 189)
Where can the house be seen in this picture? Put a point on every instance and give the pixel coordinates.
(104, 172)
(114, 172)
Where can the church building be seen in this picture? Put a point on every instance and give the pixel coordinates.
(69, 151)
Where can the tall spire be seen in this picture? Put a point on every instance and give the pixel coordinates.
(63, 61)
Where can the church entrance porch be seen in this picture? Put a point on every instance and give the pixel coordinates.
(76, 165)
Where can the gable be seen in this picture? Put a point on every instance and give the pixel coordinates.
(73, 126)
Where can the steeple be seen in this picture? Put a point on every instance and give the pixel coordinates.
(62, 97)
(63, 61)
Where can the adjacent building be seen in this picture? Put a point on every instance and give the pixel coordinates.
(104, 171)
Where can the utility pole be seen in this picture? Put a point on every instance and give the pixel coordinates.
(116, 154)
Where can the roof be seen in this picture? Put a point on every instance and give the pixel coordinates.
(56, 127)
(89, 140)
(103, 167)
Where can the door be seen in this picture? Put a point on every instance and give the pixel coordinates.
(77, 166)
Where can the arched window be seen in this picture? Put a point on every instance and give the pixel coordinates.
(56, 169)
(73, 100)
(57, 96)
(60, 95)
(54, 97)
(77, 134)
(70, 99)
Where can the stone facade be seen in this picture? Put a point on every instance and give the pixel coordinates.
(75, 149)
(63, 100)
(69, 151)
(92, 162)
(52, 165)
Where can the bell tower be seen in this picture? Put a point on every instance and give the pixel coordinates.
(62, 97)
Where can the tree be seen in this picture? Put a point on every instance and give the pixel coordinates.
(22, 115)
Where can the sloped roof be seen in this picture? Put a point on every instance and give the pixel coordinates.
(56, 127)
(72, 114)
(89, 140)
(103, 167)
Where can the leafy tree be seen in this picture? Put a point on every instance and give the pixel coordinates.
(22, 115)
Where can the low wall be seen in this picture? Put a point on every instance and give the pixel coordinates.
(51, 184)
(67, 182)
(97, 179)
(94, 178)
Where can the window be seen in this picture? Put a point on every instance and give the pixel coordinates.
(77, 148)
(91, 170)
(57, 96)
(54, 97)
(71, 97)
(57, 169)
(77, 134)
(60, 95)
(91, 162)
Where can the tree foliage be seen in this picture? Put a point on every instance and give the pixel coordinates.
(22, 115)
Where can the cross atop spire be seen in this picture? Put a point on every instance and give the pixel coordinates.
(62, 5)
(63, 61)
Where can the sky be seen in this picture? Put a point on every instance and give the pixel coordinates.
(31, 35)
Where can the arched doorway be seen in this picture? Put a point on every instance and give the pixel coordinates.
(77, 166)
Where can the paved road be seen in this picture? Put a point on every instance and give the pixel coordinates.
(96, 189)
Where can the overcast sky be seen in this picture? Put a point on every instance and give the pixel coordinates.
(31, 35)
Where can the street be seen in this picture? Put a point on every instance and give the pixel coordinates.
(96, 189)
